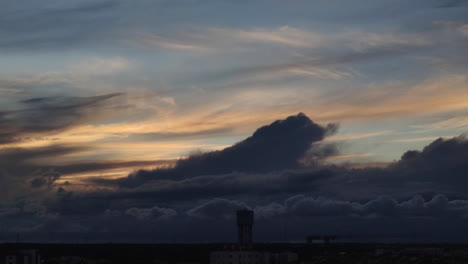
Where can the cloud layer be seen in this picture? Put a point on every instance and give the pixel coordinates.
(425, 187)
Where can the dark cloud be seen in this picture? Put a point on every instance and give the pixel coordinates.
(384, 206)
(424, 187)
(18, 173)
(443, 161)
(52, 173)
(154, 212)
(45, 179)
(298, 215)
(48, 115)
(277, 146)
(217, 208)
(32, 172)
(232, 184)
(440, 168)
(81, 167)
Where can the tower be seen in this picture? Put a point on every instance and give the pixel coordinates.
(245, 220)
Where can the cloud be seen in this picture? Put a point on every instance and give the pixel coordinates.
(48, 115)
(154, 212)
(440, 168)
(450, 3)
(20, 176)
(36, 173)
(323, 65)
(216, 39)
(259, 67)
(45, 179)
(305, 206)
(27, 25)
(403, 140)
(233, 184)
(162, 136)
(217, 208)
(442, 161)
(457, 27)
(321, 207)
(151, 40)
(427, 185)
(79, 74)
(224, 39)
(446, 123)
(301, 195)
(397, 99)
(97, 66)
(80, 168)
(277, 146)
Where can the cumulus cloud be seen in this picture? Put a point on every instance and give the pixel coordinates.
(277, 146)
(442, 161)
(440, 167)
(384, 206)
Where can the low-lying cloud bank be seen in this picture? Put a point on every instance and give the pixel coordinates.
(214, 220)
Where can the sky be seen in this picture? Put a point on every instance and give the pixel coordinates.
(153, 121)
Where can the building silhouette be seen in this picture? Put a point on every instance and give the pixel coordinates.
(245, 221)
(243, 252)
(19, 257)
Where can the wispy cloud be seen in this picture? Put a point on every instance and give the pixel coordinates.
(226, 39)
(449, 123)
(75, 74)
(454, 26)
(399, 99)
(99, 66)
(10, 91)
(342, 137)
(349, 156)
(151, 40)
(418, 139)
(233, 40)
